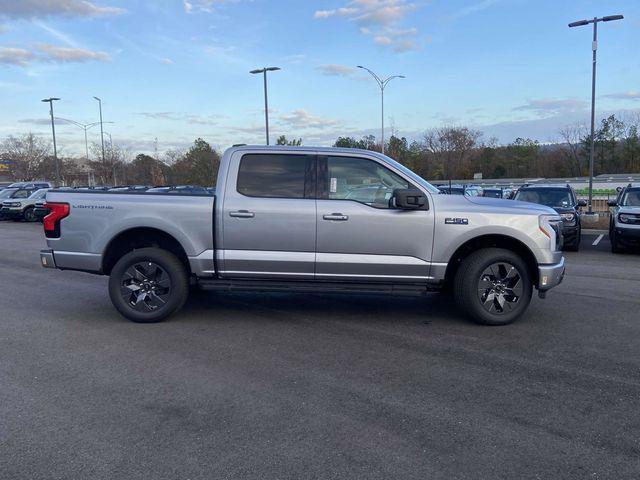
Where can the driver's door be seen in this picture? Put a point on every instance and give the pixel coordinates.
(359, 236)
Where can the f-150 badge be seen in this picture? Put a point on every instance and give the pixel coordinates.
(456, 221)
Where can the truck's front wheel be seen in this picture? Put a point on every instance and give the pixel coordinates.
(493, 286)
(148, 284)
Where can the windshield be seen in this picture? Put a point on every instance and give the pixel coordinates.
(39, 194)
(631, 198)
(546, 196)
(412, 175)
(7, 193)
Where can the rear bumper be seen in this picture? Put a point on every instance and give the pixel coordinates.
(550, 276)
(47, 259)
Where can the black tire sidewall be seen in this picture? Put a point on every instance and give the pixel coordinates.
(467, 285)
(170, 264)
(28, 215)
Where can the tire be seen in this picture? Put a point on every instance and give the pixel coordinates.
(615, 245)
(29, 215)
(147, 285)
(574, 247)
(493, 286)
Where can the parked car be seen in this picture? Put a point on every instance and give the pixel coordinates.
(181, 190)
(12, 195)
(624, 227)
(563, 200)
(469, 190)
(279, 222)
(40, 210)
(17, 208)
(497, 192)
(33, 185)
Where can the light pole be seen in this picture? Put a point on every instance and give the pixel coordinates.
(53, 129)
(85, 127)
(594, 48)
(382, 84)
(266, 101)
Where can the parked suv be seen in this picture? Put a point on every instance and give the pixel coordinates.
(624, 227)
(468, 190)
(563, 200)
(11, 196)
(18, 208)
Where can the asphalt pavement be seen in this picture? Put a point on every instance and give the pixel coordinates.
(293, 386)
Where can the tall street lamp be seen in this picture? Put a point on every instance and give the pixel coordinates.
(266, 102)
(594, 48)
(382, 83)
(85, 127)
(53, 129)
(101, 131)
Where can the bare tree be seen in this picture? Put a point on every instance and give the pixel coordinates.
(572, 148)
(450, 147)
(27, 154)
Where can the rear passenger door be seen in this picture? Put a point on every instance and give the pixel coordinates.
(269, 224)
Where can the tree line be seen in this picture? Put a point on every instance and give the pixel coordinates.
(448, 152)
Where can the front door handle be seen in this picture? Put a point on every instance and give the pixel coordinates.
(242, 214)
(336, 217)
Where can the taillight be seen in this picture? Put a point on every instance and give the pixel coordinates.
(57, 211)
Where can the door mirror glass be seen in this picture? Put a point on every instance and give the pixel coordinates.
(582, 203)
(612, 203)
(409, 199)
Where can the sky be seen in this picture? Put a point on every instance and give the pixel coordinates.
(169, 71)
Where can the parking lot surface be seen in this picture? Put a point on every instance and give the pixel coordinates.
(317, 386)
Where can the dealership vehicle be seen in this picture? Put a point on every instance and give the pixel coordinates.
(39, 210)
(282, 219)
(624, 226)
(34, 185)
(497, 192)
(23, 208)
(468, 190)
(12, 195)
(563, 200)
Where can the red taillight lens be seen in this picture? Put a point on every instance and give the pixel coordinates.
(57, 211)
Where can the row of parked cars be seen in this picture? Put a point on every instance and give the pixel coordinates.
(624, 228)
(26, 200)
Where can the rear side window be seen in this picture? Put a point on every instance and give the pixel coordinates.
(276, 176)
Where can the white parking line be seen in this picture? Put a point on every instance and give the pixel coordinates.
(597, 240)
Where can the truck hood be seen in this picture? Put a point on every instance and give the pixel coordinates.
(511, 204)
(629, 209)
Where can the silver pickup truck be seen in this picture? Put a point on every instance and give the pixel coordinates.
(311, 220)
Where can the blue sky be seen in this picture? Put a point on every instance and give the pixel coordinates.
(176, 70)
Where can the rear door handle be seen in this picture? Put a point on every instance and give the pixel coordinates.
(336, 217)
(242, 214)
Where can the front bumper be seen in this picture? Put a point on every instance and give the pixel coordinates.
(570, 234)
(628, 235)
(10, 212)
(550, 276)
(46, 259)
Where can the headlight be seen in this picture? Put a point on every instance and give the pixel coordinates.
(568, 217)
(551, 226)
(624, 218)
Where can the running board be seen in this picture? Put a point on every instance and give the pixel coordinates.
(240, 285)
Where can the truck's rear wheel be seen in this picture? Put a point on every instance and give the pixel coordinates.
(493, 286)
(149, 284)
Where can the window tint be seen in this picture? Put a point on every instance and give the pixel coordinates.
(22, 194)
(362, 180)
(275, 175)
(546, 196)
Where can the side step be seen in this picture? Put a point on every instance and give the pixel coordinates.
(240, 285)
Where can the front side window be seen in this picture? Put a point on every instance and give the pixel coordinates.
(22, 194)
(361, 180)
(276, 175)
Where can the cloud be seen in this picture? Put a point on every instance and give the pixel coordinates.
(333, 69)
(36, 121)
(474, 8)
(44, 8)
(212, 119)
(49, 53)
(16, 56)
(166, 61)
(295, 58)
(549, 106)
(302, 119)
(379, 19)
(57, 54)
(629, 95)
(203, 6)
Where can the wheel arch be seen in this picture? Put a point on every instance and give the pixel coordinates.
(141, 237)
(492, 241)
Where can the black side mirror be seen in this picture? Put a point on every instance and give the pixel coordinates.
(409, 199)
(612, 203)
(582, 203)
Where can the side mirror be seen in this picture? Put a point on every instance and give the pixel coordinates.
(582, 203)
(409, 199)
(612, 203)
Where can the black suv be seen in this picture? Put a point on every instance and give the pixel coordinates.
(563, 200)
